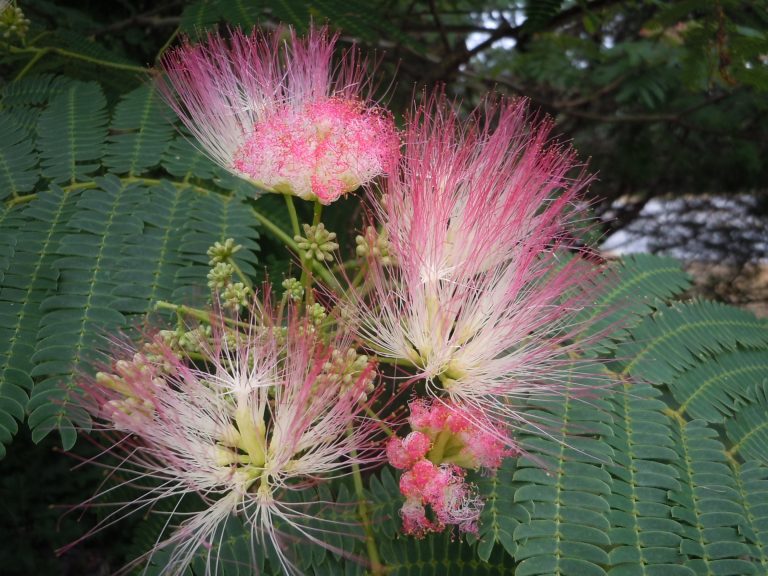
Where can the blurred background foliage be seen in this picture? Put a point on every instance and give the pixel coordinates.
(660, 97)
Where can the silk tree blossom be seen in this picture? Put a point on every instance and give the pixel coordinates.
(266, 421)
(484, 298)
(279, 113)
(444, 440)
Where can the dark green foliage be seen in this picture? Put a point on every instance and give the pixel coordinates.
(141, 131)
(71, 133)
(78, 260)
(17, 159)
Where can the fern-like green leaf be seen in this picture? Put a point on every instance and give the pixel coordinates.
(676, 338)
(752, 483)
(634, 287)
(713, 389)
(707, 503)
(71, 133)
(29, 280)
(565, 486)
(748, 428)
(18, 160)
(215, 219)
(501, 515)
(25, 98)
(140, 132)
(645, 540)
(183, 160)
(386, 498)
(440, 554)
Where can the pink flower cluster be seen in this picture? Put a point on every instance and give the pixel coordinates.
(279, 114)
(443, 442)
(473, 281)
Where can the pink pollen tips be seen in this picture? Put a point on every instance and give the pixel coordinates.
(322, 150)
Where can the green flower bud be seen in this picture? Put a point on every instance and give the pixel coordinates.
(222, 252)
(293, 289)
(317, 243)
(236, 295)
(220, 276)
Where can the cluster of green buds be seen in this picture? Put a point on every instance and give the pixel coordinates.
(222, 252)
(317, 243)
(376, 245)
(189, 341)
(347, 368)
(316, 313)
(12, 21)
(233, 295)
(293, 289)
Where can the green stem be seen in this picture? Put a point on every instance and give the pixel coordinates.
(292, 213)
(168, 42)
(281, 235)
(202, 315)
(29, 65)
(402, 362)
(20, 199)
(360, 275)
(387, 430)
(40, 52)
(306, 264)
(275, 230)
(377, 568)
(240, 273)
(317, 213)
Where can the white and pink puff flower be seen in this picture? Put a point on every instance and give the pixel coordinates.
(253, 419)
(485, 299)
(279, 113)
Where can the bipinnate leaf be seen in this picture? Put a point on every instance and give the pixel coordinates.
(18, 160)
(141, 131)
(748, 428)
(676, 338)
(71, 133)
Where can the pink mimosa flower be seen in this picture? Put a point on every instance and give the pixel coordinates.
(265, 420)
(443, 489)
(279, 113)
(445, 440)
(484, 296)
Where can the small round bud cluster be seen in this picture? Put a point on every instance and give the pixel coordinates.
(316, 314)
(347, 368)
(196, 339)
(233, 295)
(12, 21)
(236, 295)
(317, 243)
(220, 276)
(375, 245)
(293, 289)
(222, 252)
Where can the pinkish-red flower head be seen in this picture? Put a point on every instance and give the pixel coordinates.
(279, 113)
(443, 489)
(405, 452)
(459, 435)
